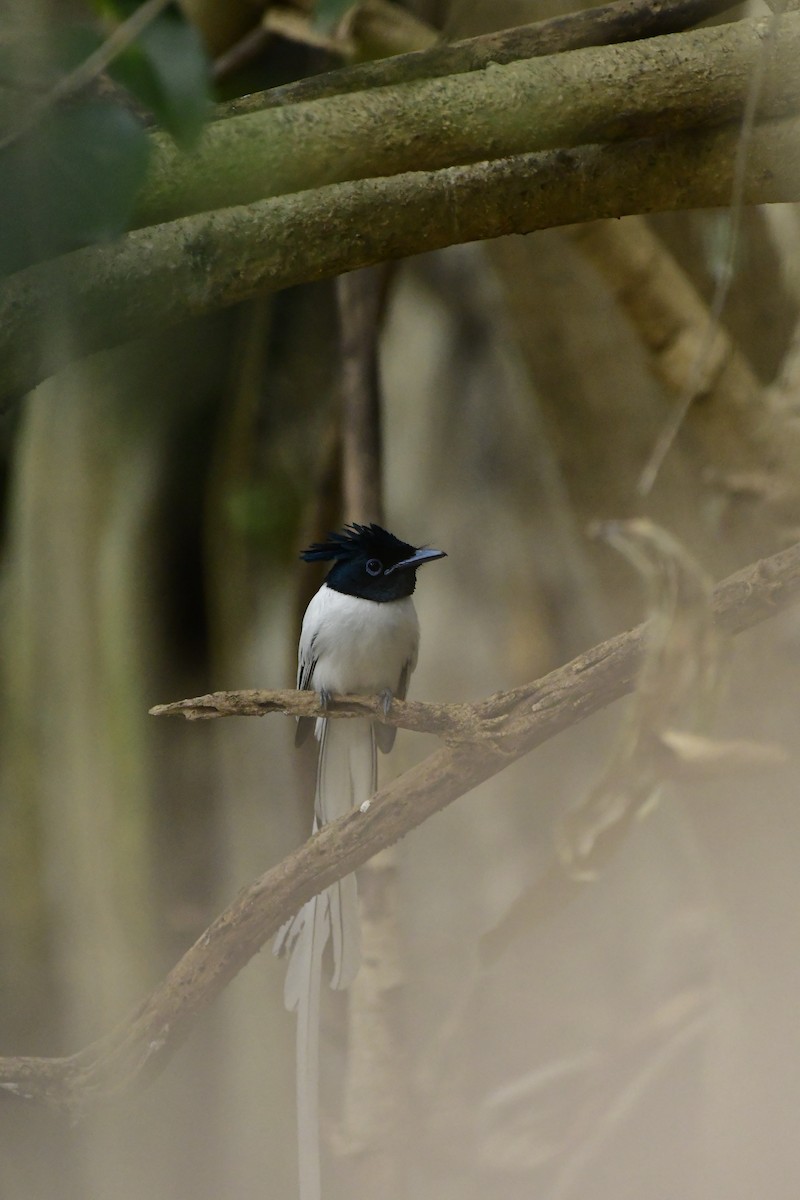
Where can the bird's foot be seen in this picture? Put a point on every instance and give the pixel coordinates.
(324, 698)
(386, 698)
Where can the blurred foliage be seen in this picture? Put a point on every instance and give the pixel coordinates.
(70, 167)
(69, 182)
(265, 511)
(167, 70)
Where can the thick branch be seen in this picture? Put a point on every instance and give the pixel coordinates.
(597, 94)
(623, 21)
(156, 277)
(510, 724)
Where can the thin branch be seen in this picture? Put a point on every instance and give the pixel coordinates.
(452, 722)
(624, 21)
(511, 725)
(154, 278)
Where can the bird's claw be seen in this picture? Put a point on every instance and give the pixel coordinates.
(386, 699)
(324, 698)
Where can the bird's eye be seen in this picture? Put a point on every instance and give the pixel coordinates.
(374, 566)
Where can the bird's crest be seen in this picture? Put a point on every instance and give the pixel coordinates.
(356, 540)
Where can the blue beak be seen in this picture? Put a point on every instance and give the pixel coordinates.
(417, 559)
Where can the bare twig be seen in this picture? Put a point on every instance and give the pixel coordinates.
(510, 724)
(449, 721)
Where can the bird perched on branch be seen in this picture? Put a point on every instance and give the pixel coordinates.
(360, 635)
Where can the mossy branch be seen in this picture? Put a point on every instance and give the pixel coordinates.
(597, 94)
(153, 278)
(157, 276)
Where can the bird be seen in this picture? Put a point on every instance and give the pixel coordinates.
(360, 634)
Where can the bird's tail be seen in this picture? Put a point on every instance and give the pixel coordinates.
(346, 777)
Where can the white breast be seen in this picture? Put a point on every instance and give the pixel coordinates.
(359, 645)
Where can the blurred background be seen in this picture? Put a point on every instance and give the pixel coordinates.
(638, 1040)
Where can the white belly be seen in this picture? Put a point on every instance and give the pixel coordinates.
(359, 645)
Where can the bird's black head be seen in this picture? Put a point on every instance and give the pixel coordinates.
(370, 562)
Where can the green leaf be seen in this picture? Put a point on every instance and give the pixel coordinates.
(167, 69)
(71, 181)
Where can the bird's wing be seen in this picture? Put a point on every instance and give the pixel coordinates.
(405, 675)
(385, 734)
(306, 662)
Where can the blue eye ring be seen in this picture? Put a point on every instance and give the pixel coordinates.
(374, 566)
